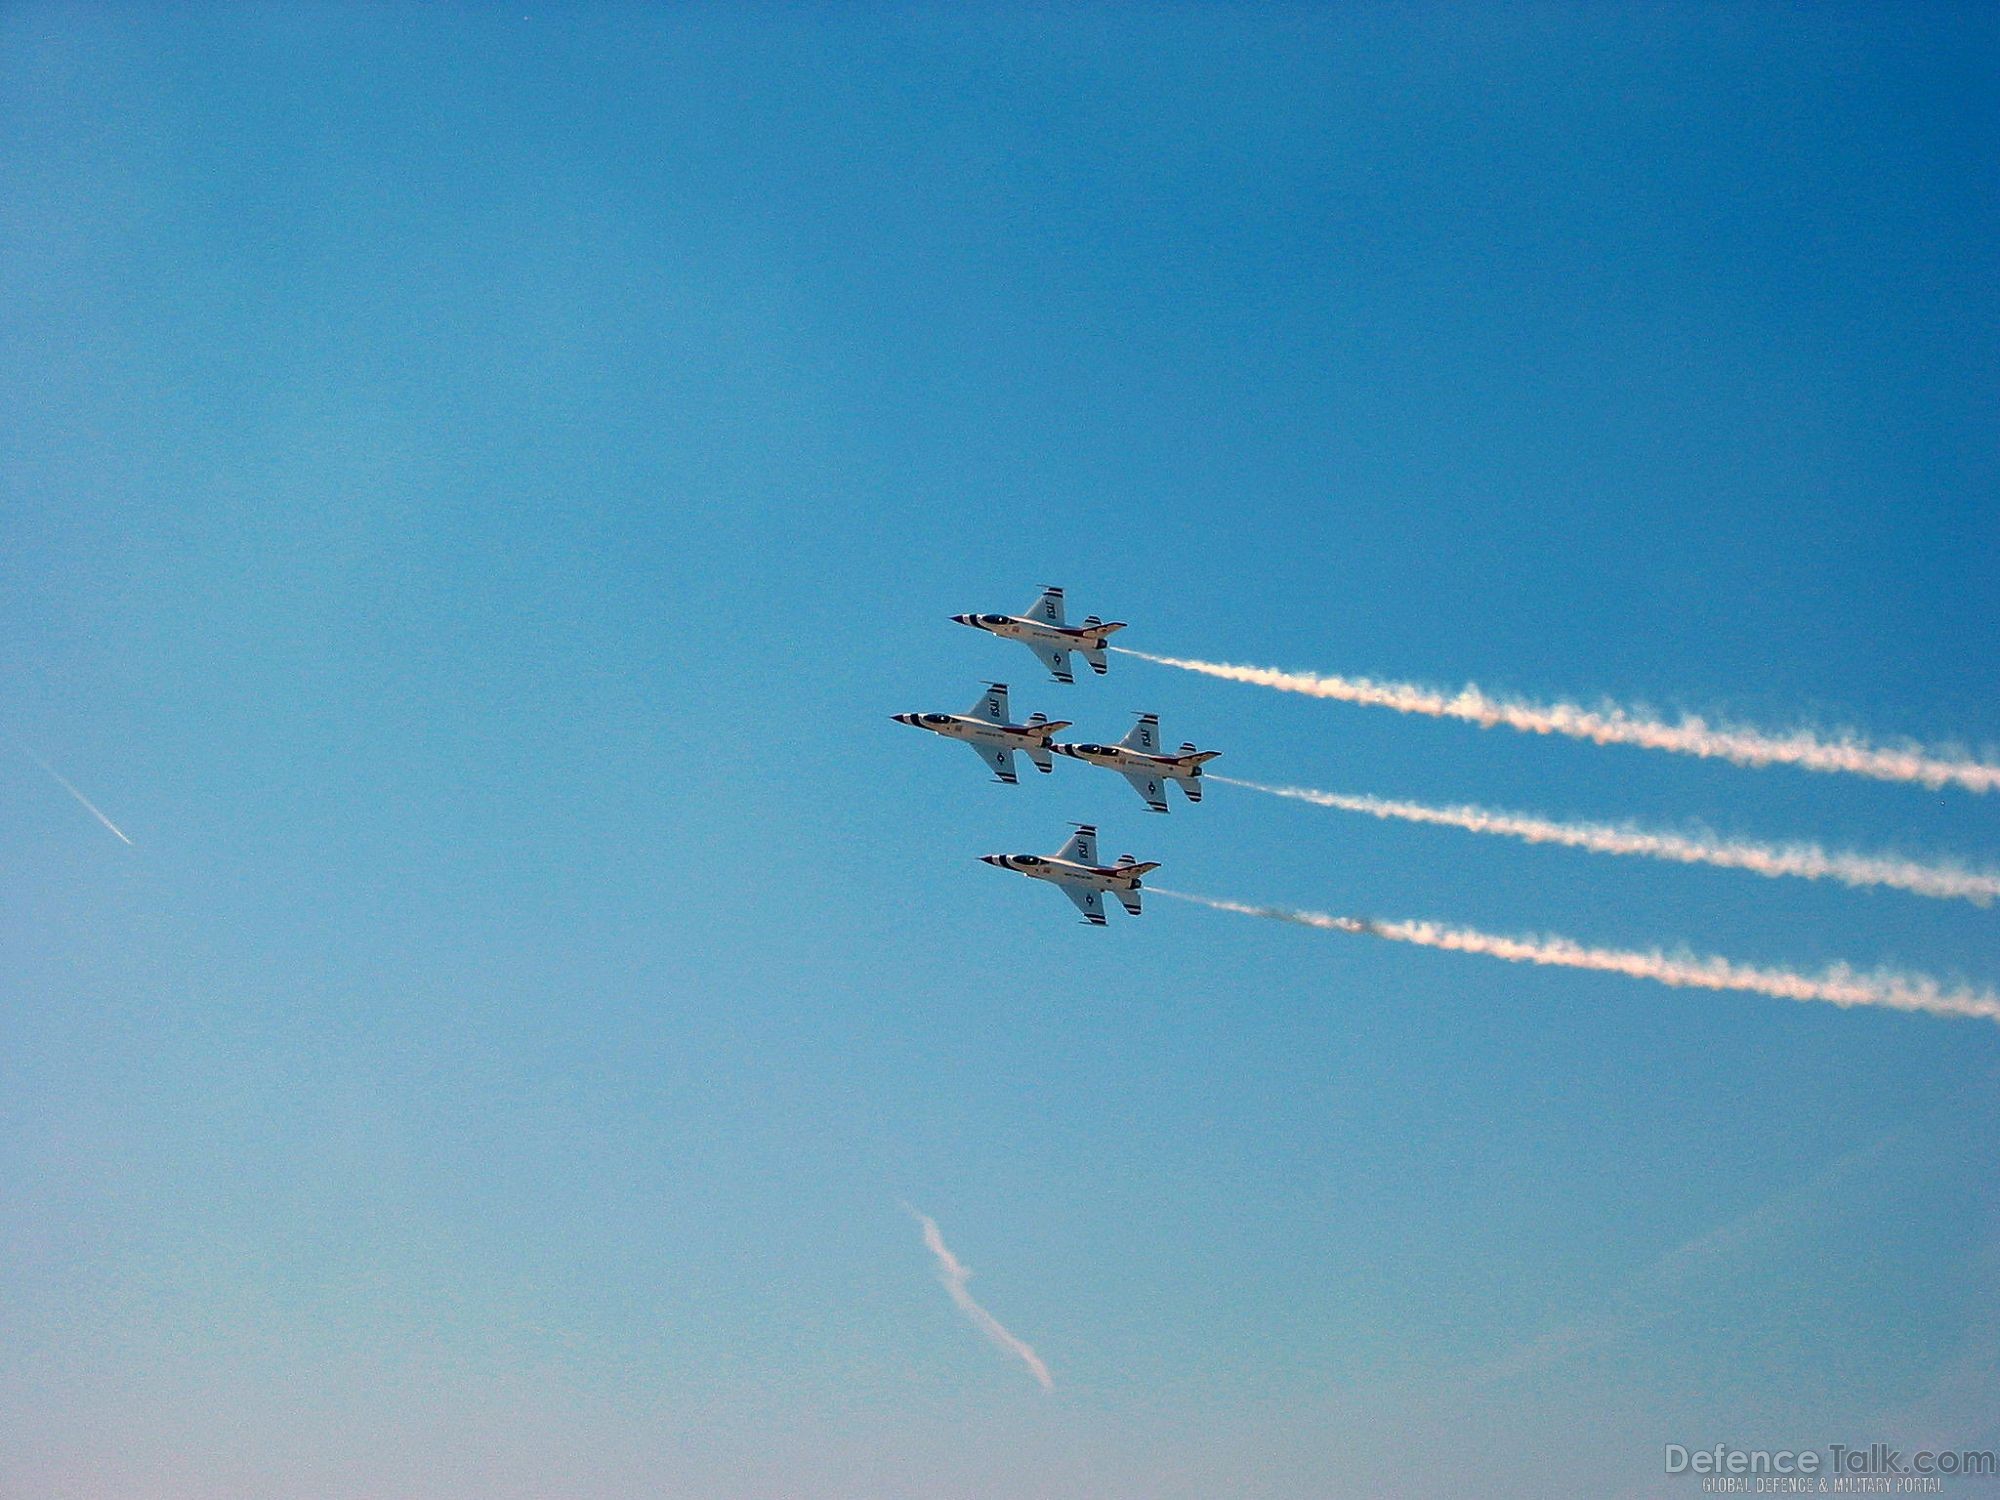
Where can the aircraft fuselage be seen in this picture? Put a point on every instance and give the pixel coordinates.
(1135, 762)
(966, 727)
(1035, 633)
(1070, 872)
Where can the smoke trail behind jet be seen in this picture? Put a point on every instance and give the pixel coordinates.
(63, 781)
(954, 1274)
(1802, 860)
(1839, 985)
(1613, 725)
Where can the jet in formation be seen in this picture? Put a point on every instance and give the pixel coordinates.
(1138, 759)
(986, 729)
(1074, 870)
(1043, 632)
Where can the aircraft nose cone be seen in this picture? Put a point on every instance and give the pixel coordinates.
(992, 859)
(904, 718)
(961, 619)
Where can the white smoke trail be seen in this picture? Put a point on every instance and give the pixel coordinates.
(89, 806)
(954, 1274)
(1805, 861)
(1612, 725)
(1839, 985)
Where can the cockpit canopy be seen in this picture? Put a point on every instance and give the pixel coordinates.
(993, 619)
(937, 718)
(1029, 859)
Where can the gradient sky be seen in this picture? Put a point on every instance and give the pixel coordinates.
(474, 485)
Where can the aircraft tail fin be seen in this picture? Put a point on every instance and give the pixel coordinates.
(1127, 865)
(1187, 774)
(1039, 754)
(1095, 633)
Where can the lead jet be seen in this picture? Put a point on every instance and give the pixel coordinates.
(986, 729)
(1138, 759)
(1075, 871)
(1043, 632)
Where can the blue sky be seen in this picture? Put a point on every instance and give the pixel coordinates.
(476, 485)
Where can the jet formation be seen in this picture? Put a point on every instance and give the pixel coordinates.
(989, 729)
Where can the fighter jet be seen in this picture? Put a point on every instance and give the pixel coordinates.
(1042, 631)
(1076, 872)
(1138, 759)
(992, 738)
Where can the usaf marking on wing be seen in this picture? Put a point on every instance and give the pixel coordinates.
(1138, 759)
(993, 739)
(1074, 871)
(1043, 632)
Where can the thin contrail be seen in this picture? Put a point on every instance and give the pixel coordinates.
(1613, 725)
(1672, 1283)
(1664, 1286)
(1803, 860)
(1839, 985)
(954, 1274)
(89, 806)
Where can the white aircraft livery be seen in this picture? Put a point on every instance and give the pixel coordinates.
(1043, 632)
(1075, 871)
(1138, 759)
(993, 739)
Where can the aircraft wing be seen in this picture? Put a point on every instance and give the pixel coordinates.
(1082, 846)
(1000, 758)
(1089, 900)
(1148, 787)
(1055, 658)
(1048, 607)
(1144, 735)
(992, 704)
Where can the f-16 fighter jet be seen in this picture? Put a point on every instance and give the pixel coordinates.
(993, 739)
(1138, 759)
(1042, 631)
(1076, 872)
